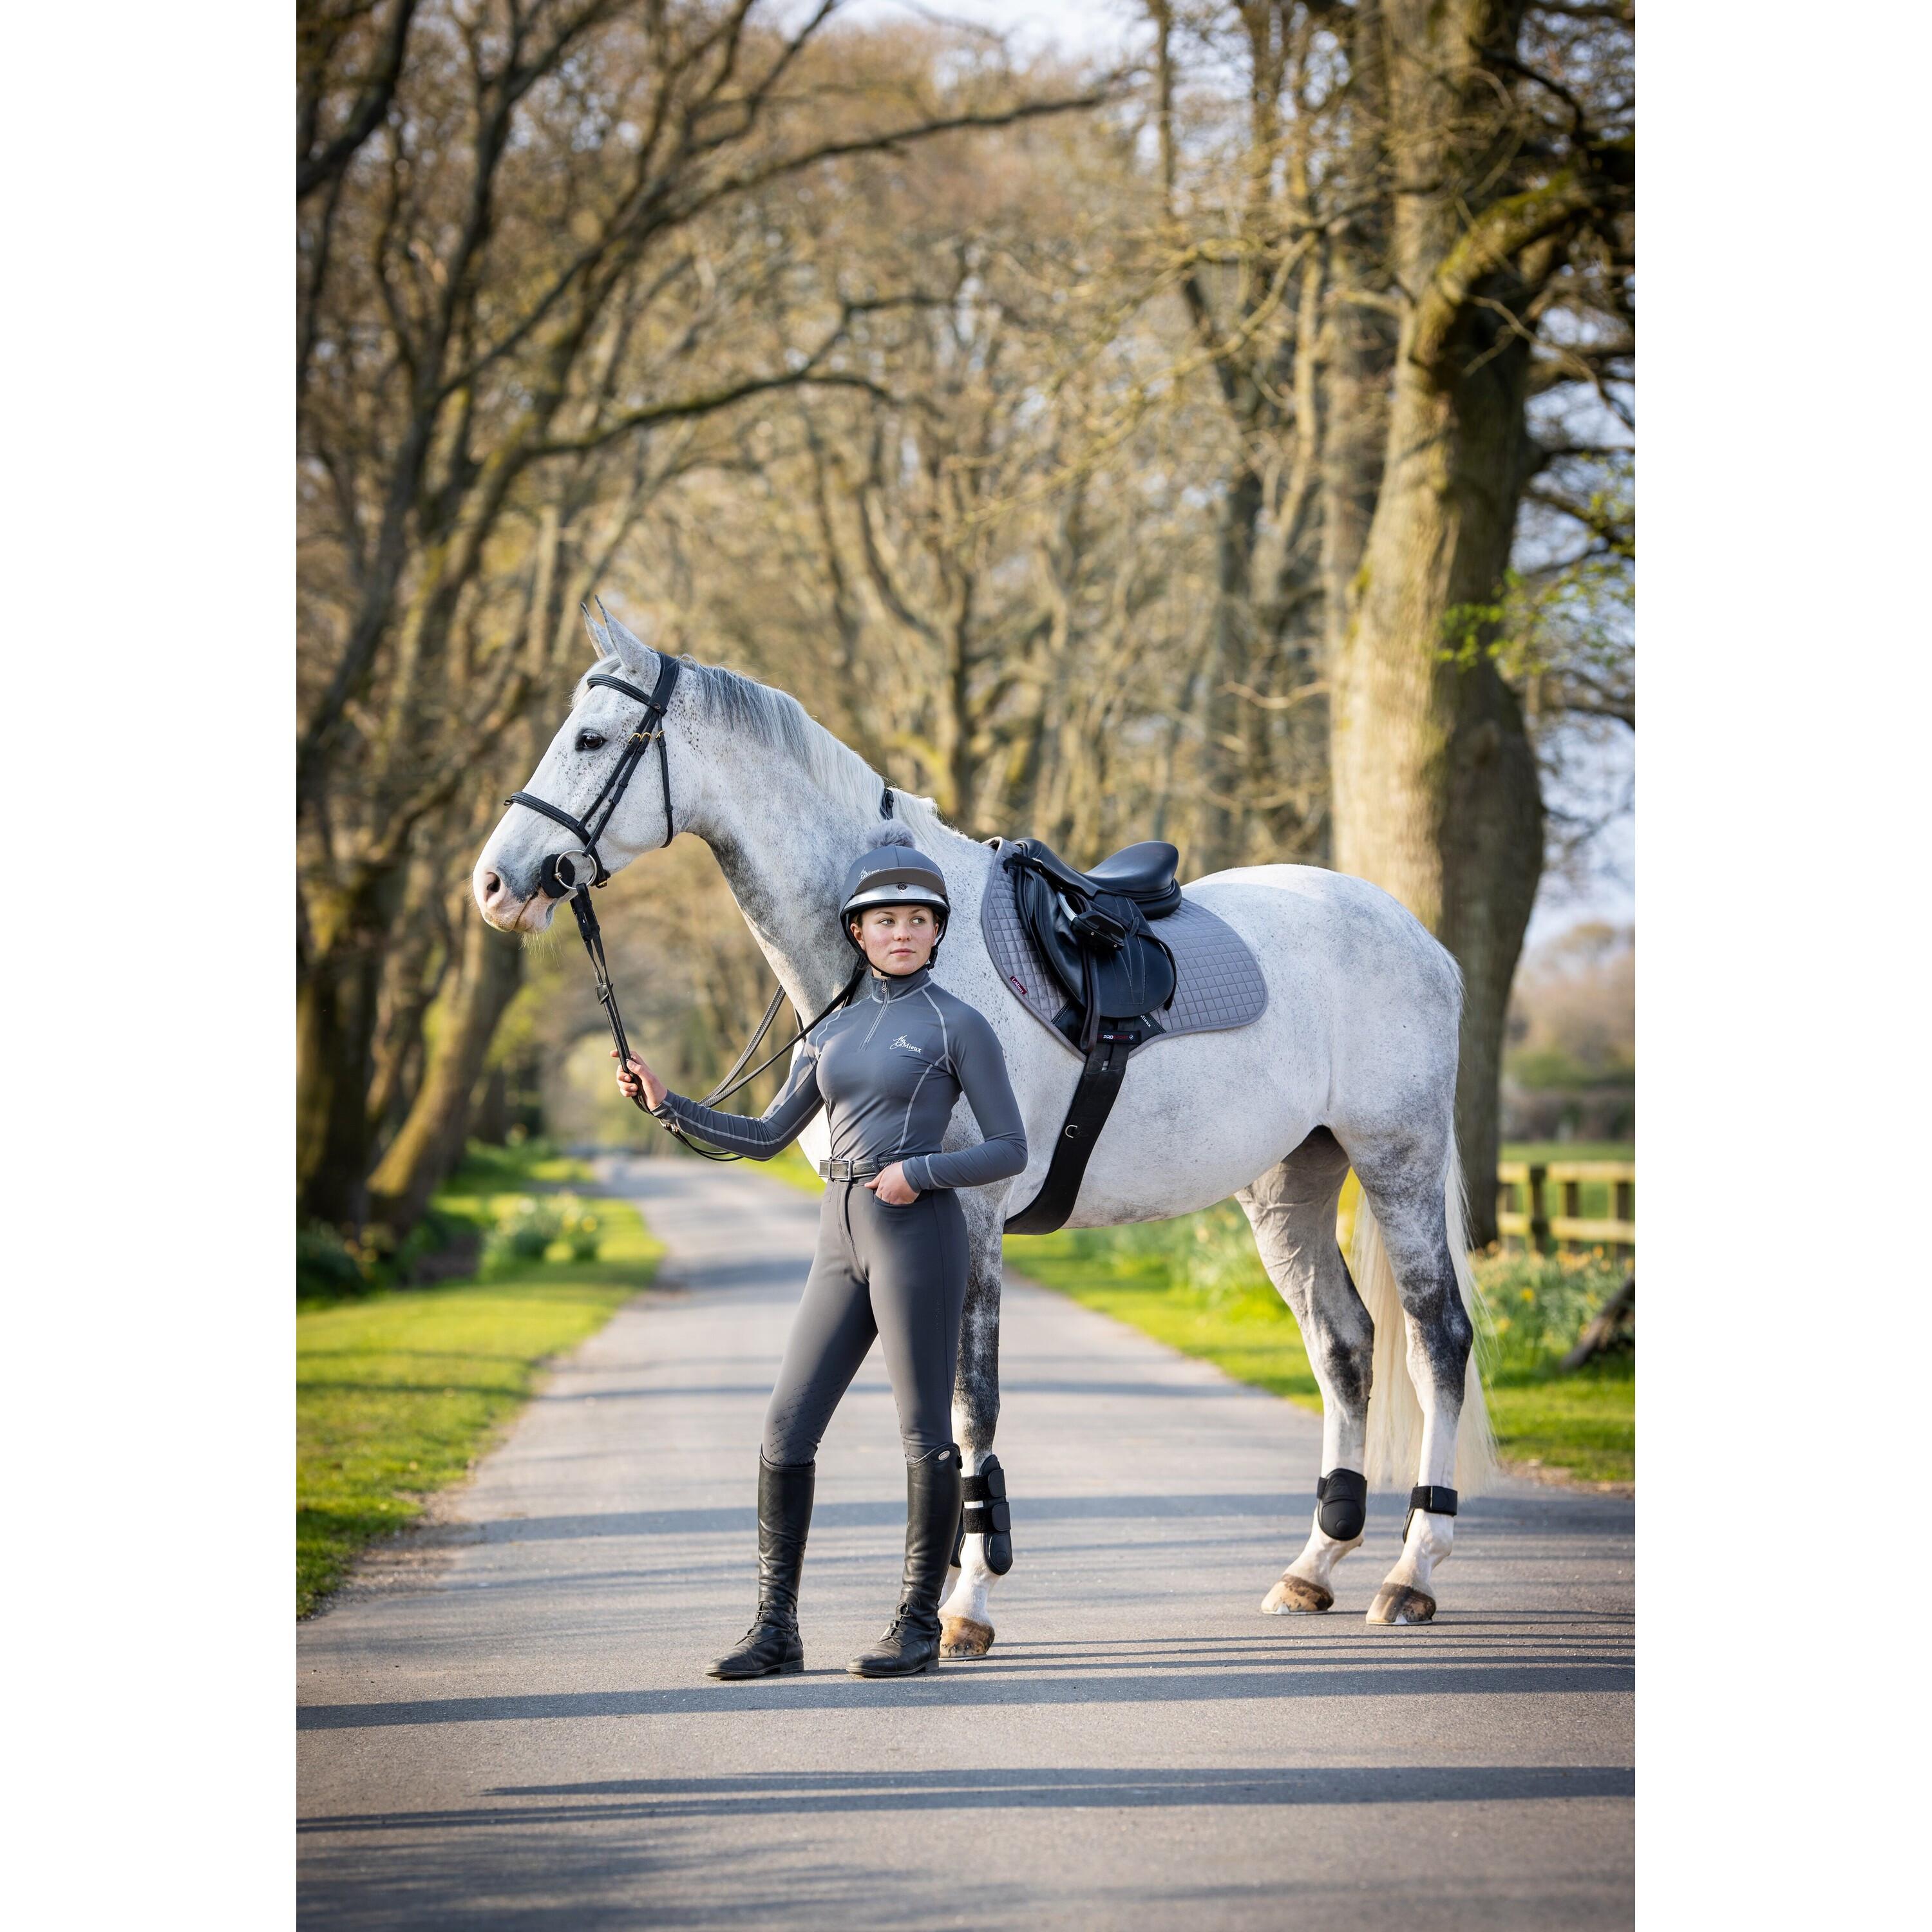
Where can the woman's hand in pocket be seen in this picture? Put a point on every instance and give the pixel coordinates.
(891, 1188)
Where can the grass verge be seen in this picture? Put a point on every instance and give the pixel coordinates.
(399, 1391)
(1197, 1284)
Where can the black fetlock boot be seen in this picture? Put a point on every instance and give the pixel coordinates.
(771, 1647)
(910, 1645)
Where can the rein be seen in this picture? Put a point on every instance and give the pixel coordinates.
(573, 874)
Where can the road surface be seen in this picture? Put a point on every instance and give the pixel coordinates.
(508, 1724)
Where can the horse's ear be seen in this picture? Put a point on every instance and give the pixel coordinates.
(600, 638)
(635, 651)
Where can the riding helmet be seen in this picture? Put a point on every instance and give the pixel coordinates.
(898, 874)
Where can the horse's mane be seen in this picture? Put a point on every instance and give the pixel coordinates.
(777, 719)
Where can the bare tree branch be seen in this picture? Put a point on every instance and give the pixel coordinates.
(315, 167)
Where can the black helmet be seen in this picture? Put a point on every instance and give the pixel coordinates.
(893, 875)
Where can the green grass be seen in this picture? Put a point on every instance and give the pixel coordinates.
(1547, 1151)
(1584, 1422)
(399, 1391)
(1197, 1284)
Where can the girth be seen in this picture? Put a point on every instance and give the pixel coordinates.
(1119, 974)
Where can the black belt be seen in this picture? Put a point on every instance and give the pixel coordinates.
(850, 1170)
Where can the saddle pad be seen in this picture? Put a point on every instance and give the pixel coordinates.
(1220, 979)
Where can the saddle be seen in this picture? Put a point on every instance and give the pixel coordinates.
(1144, 873)
(1094, 930)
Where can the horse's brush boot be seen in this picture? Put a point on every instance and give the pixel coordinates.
(910, 1646)
(773, 1647)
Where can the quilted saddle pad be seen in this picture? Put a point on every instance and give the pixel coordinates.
(1220, 982)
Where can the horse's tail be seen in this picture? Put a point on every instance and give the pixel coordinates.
(1395, 1412)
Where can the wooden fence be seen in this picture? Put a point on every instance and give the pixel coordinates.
(1523, 1192)
(1523, 1210)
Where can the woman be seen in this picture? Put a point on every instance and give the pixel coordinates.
(888, 1065)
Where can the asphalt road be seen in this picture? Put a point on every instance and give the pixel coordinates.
(507, 1725)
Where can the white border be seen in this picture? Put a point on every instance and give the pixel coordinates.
(147, 724)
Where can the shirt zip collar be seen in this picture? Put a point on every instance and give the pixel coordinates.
(884, 986)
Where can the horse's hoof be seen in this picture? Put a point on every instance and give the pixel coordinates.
(1294, 1593)
(964, 1637)
(1397, 1603)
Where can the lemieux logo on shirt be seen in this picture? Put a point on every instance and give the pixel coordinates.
(902, 1041)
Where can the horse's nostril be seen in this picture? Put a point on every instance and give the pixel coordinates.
(492, 885)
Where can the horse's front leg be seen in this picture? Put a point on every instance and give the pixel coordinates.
(986, 1551)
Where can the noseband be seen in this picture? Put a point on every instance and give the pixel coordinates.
(572, 875)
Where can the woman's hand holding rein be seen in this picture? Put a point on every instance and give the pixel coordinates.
(637, 1077)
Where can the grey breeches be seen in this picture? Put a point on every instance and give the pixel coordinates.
(896, 1273)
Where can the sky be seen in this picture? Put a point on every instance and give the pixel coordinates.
(1073, 26)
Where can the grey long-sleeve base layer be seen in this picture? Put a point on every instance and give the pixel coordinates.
(896, 1273)
(888, 1068)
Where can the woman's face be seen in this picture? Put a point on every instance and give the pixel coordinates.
(897, 939)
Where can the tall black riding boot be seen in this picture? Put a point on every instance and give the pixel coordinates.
(773, 1647)
(910, 1645)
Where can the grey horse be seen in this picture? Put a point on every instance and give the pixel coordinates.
(1352, 1063)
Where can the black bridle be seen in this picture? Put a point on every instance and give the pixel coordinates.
(650, 730)
(573, 874)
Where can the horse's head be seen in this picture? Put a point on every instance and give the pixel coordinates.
(575, 777)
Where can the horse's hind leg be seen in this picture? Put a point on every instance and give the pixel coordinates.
(1291, 1209)
(965, 1617)
(1402, 1182)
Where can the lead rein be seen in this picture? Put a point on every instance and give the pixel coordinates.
(607, 998)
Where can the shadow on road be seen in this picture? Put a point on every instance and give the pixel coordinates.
(969, 1685)
(803, 1793)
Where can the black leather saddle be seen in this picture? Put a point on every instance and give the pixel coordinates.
(1094, 930)
(1144, 873)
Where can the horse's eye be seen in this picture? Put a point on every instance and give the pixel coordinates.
(589, 741)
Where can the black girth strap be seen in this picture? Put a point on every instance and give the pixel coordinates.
(1093, 1101)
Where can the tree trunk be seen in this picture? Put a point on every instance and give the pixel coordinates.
(1358, 339)
(340, 943)
(1223, 820)
(414, 972)
(490, 1120)
(429, 1142)
(1437, 798)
